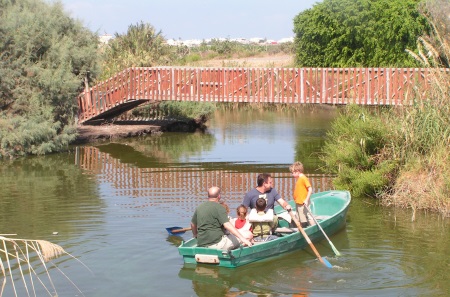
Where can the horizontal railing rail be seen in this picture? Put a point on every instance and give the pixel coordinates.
(365, 86)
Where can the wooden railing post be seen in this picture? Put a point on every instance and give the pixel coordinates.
(368, 86)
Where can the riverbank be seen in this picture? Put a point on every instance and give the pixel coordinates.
(122, 129)
(125, 129)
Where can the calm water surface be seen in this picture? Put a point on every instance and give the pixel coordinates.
(110, 204)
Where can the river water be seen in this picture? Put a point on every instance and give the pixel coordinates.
(111, 202)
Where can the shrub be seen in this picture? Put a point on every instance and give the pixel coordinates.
(354, 151)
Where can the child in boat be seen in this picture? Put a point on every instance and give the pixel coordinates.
(227, 208)
(263, 223)
(241, 223)
(302, 193)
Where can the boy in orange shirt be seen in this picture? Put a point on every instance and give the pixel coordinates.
(302, 193)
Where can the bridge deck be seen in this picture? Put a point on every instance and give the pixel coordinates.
(366, 86)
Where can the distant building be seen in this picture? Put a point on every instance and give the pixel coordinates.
(240, 40)
(270, 41)
(284, 40)
(105, 38)
(257, 40)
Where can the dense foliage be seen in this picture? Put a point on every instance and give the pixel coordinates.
(140, 46)
(45, 56)
(354, 151)
(400, 155)
(358, 33)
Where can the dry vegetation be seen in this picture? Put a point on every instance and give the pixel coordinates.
(18, 259)
(262, 60)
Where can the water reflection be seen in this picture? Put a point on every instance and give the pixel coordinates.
(176, 188)
(262, 137)
(175, 240)
(294, 274)
(35, 190)
(161, 150)
(112, 202)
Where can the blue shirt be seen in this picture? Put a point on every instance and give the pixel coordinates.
(271, 196)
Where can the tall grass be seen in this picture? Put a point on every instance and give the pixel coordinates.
(421, 142)
(400, 155)
(18, 268)
(423, 135)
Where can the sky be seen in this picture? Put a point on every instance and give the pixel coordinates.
(192, 19)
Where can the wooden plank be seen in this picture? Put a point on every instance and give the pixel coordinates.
(380, 86)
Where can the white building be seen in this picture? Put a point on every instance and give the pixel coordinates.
(105, 38)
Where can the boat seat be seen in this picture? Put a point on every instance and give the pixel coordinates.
(285, 230)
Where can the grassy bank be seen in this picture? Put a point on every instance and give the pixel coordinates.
(400, 155)
(397, 155)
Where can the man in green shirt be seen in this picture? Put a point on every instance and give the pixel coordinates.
(209, 223)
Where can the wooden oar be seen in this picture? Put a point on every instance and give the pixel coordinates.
(320, 227)
(321, 259)
(177, 230)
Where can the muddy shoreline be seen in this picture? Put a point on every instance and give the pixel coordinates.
(125, 129)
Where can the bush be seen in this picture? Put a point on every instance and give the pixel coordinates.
(354, 151)
(181, 110)
(46, 56)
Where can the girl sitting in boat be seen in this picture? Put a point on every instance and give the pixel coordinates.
(241, 223)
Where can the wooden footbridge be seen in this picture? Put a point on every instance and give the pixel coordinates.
(366, 86)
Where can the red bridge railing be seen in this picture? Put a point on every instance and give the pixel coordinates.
(366, 86)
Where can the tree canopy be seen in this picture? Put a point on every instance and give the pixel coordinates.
(141, 46)
(358, 33)
(45, 56)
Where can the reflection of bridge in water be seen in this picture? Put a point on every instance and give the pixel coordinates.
(184, 188)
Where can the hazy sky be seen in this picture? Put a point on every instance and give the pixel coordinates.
(192, 19)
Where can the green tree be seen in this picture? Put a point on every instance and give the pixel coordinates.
(45, 56)
(141, 46)
(358, 33)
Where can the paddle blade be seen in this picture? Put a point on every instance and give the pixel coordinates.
(175, 230)
(327, 264)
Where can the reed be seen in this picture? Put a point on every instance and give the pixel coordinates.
(423, 135)
(18, 262)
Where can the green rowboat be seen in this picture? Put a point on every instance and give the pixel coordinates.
(329, 208)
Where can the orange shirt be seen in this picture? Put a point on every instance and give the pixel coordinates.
(301, 189)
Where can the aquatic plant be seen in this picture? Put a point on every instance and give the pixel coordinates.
(18, 264)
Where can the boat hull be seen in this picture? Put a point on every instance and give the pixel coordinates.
(329, 207)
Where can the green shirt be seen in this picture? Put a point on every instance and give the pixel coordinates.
(209, 218)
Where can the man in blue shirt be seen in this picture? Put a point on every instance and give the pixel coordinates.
(264, 190)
